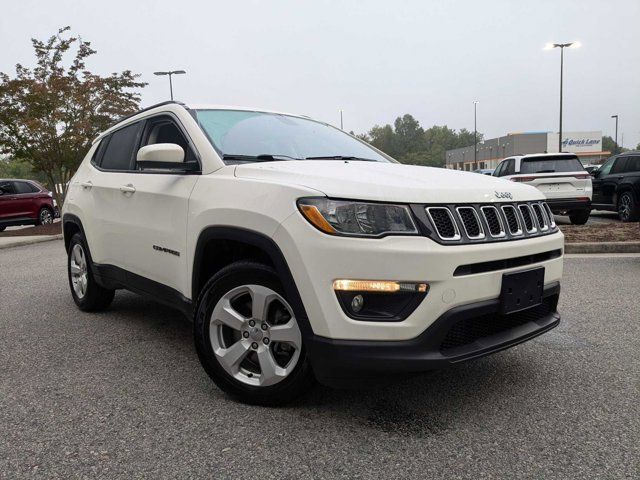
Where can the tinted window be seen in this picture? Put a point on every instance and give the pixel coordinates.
(97, 155)
(235, 132)
(119, 151)
(498, 171)
(620, 165)
(24, 187)
(633, 164)
(550, 164)
(7, 187)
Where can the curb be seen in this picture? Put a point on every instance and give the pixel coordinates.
(19, 243)
(602, 247)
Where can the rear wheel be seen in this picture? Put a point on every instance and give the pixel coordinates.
(45, 216)
(88, 295)
(628, 209)
(247, 336)
(579, 217)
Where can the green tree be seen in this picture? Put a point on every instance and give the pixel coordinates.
(16, 168)
(408, 142)
(49, 114)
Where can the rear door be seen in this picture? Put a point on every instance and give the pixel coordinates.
(558, 177)
(7, 200)
(26, 195)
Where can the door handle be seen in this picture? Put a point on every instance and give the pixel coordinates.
(620, 177)
(88, 184)
(128, 188)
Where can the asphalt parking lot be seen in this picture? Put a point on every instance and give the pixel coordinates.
(121, 395)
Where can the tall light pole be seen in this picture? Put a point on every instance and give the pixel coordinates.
(475, 135)
(561, 46)
(616, 117)
(341, 128)
(170, 73)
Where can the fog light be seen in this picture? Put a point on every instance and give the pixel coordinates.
(357, 303)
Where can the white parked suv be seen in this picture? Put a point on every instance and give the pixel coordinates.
(302, 253)
(560, 176)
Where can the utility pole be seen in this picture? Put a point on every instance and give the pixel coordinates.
(616, 117)
(475, 135)
(561, 46)
(170, 73)
(341, 126)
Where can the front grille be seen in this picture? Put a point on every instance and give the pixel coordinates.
(444, 223)
(505, 263)
(525, 211)
(493, 221)
(512, 219)
(542, 221)
(470, 222)
(480, 223)
(470, 330)
(550, 215)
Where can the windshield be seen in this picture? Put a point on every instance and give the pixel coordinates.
(257, 136)
(551, 164)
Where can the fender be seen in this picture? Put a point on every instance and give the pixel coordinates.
(268, 246)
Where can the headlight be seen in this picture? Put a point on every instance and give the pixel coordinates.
(358, 219)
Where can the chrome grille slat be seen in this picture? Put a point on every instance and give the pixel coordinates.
(540, 217)
(494, 221)
(527, 217)
(470, 222)
(547, 209)
(513, 220)
(444, 223)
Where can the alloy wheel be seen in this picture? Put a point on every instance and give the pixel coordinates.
(46, 217)
(254, 335)
(624, 208)
(79, 271)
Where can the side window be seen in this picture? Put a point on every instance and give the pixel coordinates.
(24, 187)
(606, 167)
(7, 187)
(633, 164)
(509, 168)
(498, 169)
(621, 165)
(97, 155)
(163, 129)
(118, 153)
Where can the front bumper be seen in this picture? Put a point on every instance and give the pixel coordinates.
(316, 260)
(462, 333)
(564, 204)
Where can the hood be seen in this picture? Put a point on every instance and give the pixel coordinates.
(389, 182)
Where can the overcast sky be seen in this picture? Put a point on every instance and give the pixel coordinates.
(376, 60)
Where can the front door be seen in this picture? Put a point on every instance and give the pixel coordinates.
(156, 212)
(602, 196)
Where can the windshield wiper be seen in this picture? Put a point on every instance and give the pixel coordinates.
(264, 157)
(341, 157)
(545, 171)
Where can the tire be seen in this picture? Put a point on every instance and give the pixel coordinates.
(218, 334)
(86, 293)
(628, 208)
(579, 217)
(2, 229)
(45, 216)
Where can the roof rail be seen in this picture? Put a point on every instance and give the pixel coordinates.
(168, 102)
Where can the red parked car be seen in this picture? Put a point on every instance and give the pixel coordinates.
(24, 202)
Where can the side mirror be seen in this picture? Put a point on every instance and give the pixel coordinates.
(161, 155)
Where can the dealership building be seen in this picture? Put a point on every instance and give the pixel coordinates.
(586, 145)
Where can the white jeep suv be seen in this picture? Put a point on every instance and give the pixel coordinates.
(302, 253)
(560, 176)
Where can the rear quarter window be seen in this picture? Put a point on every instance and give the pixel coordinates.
(550, 165)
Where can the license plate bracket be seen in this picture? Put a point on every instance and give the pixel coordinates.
(521, 290)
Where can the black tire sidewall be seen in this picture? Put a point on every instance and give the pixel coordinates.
(39, 221)
(235, 275)
(96, 297)
(632, 210)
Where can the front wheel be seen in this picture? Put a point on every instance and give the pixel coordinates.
(579, 217)
(628, 210)
(86, 293)
(247, 336)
